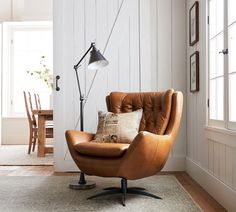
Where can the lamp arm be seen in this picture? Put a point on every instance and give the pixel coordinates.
(77, 66)
(91, 46)
(78, 83)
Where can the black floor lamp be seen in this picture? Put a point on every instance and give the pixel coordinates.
(96, 61)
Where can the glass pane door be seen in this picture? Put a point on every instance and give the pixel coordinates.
(232, 59)
(216, 59)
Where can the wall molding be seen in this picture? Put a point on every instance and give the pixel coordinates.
(222, 136)
(212, 185)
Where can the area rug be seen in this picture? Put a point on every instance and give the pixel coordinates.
(17, 155)
(51, 193)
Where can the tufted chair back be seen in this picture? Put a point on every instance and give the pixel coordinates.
(156, 108)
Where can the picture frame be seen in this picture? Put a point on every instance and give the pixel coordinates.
(194, 24)
(194, 72)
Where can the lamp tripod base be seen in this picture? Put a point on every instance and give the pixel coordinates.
(82, 184)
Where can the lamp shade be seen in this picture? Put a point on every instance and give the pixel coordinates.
(97, 60)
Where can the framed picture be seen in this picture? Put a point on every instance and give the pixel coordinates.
(194, 72)
(194, 24)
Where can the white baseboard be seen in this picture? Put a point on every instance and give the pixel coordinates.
(175, 163)
(225, 195)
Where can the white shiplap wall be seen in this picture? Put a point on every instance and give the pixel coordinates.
(171, 65)
(146, 52)
(211, 154)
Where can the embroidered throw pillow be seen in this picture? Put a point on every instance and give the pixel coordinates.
(117, 127)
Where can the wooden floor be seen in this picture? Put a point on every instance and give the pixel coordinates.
(198, 194)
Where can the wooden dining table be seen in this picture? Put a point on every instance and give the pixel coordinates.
(43, 116)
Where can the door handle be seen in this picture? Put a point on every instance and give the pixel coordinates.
(224, 51)
(57, 79)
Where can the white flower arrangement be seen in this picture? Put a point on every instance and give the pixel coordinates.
(43, 73)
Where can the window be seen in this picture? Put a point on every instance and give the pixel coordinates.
(27, 47)
(222, 63)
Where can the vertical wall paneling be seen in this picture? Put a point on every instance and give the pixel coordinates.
(154, 46)
(139, 51)
(178, 66)
(201, 96)
(102, 34)
(164, 41)
(168, 69)
(58, 16)
(190, 124)
(134, 48)
(222, 161)
(211, 156)
(123, 42)
(145, 44)
(229, 166)
(68, 35)
(216, 158)
(90, 36)
(113, 52)
(124, 50)
(67, 81)
(234, 168)
(195, 125)
(196, 102)
(62, 46)
(91, 31)
(79, 49)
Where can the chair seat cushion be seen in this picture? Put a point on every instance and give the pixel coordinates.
(106, 150)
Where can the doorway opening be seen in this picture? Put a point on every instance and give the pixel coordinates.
(27, 65)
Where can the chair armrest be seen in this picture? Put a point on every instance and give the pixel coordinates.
(146, 155)
(74, 137)
(147, 144)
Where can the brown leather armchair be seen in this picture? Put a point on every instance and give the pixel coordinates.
(148, 152)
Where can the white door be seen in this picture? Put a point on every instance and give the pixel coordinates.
(114, 26)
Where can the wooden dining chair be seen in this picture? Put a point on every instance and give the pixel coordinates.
(49, 123)
(33, 126)
(37, 101)
(33, 129)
